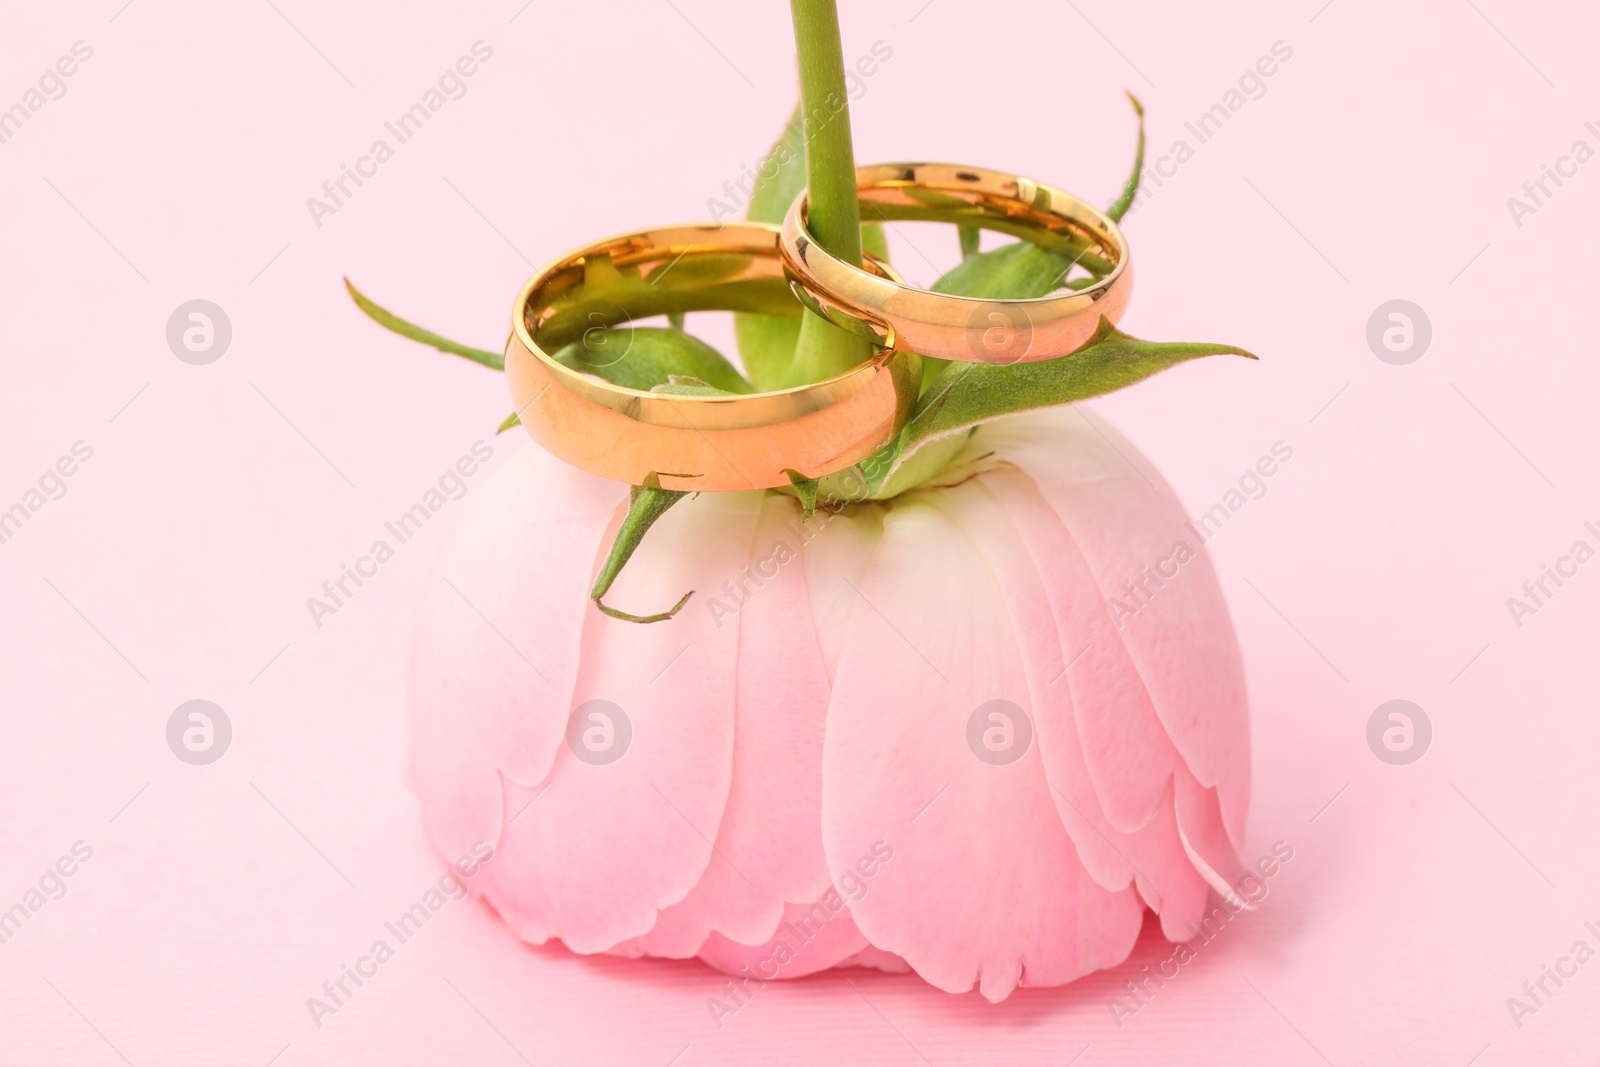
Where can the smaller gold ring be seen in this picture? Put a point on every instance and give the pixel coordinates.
(968, 329)
(690, 442)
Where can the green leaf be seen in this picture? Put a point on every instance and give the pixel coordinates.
(646, 504)
(1130, 188)
(511, 420)
(643, 357)
(967, 394)
(492, 360)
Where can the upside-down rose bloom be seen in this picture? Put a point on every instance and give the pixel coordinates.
(973, 731)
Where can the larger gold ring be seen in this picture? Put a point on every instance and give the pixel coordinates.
(968, 329)
(711, 443)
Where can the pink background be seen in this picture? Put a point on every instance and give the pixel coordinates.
(177, 565)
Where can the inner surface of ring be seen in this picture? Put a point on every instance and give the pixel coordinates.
(737, 267)
(636, 277)
(1055, 221)
(633, 278)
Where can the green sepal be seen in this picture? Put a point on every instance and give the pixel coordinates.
(646, 504)
(608, 296)
(686, 385)
(823, 351)
(781, 174)
(643, 357)
(968, 394)
(766, 345)
(874, 240)
(390, 321)
(1130, 188)
(806, 489)
(1017, 271)
(919, 465)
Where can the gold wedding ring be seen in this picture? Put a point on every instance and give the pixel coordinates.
(690, 442)
(967, 329)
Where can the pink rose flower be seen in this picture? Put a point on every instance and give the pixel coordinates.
(974, 730)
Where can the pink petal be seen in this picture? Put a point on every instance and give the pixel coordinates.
(994, 533)
(992, 511)
(839, 549)
(1165, 873)
(983, 885)
(878, 960)
(769, 849)
(593, 857)
(1124, 517)
(1124, 747)
(810, 938)
(462, 792)
(497, 651)
(1200, 824)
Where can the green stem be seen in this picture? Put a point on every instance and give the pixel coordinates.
(834, 213)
